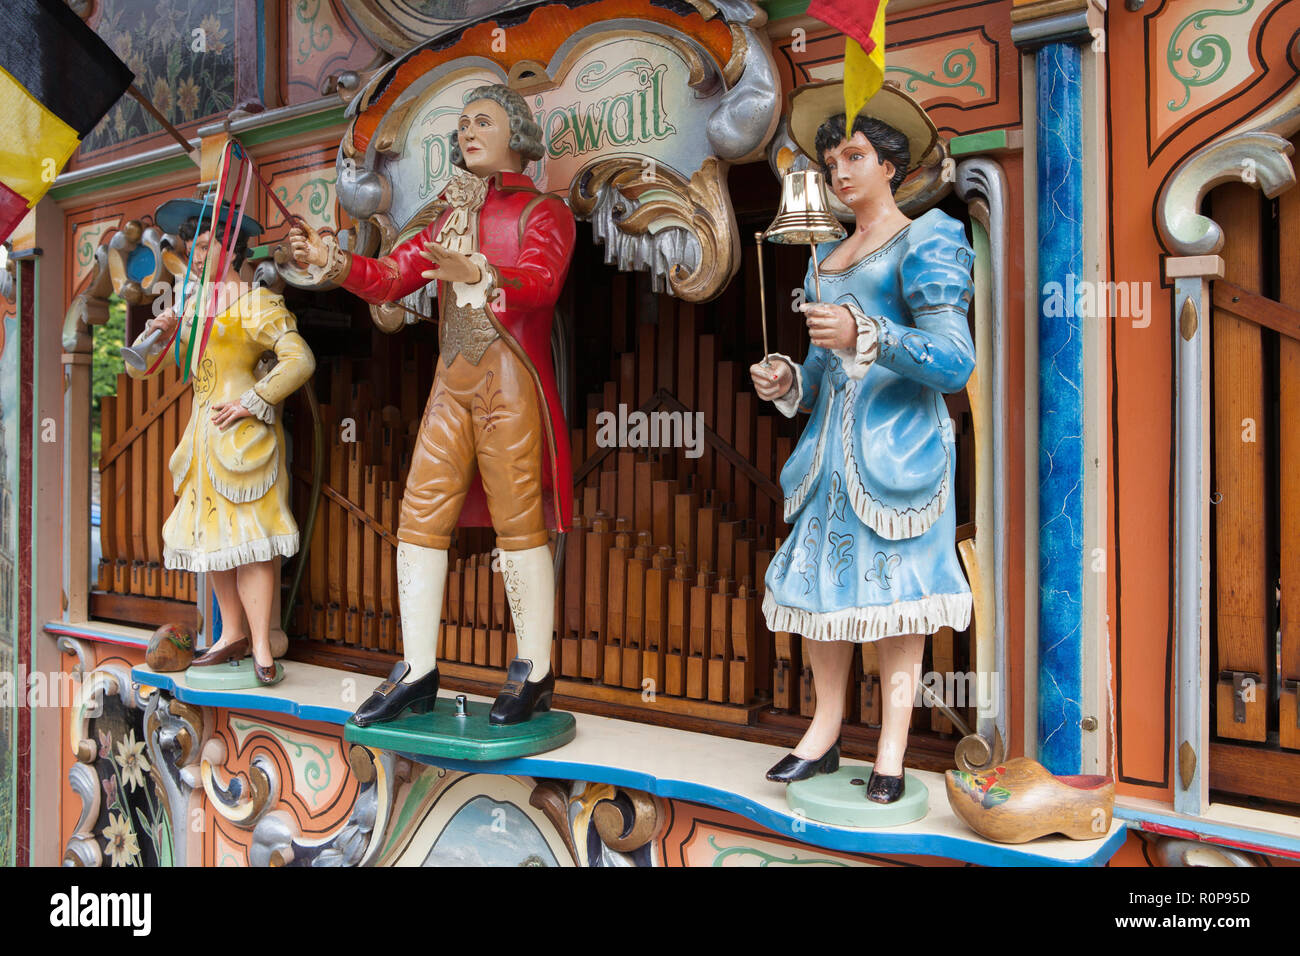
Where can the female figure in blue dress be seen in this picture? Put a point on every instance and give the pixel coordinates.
(870, 554)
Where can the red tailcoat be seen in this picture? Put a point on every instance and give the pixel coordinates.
(528, 238)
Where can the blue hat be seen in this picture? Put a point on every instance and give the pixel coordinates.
(174, 213)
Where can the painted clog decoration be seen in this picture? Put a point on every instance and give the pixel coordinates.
(1018, 801)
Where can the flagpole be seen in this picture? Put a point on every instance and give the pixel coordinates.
(162, 121)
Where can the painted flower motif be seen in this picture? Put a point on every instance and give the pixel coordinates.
(110, 789)
(122, 844)
(131, 758)
(119, 122)
(214, 35)
(840, 555)
(122, 45)
(187, 97)
(883, 569)
(837, 498)
(105, 745)
(162, 96)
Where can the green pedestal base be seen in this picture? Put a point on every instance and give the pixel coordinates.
(835, 799)
(233, 675)
(441, 733)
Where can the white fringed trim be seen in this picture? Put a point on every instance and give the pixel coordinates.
(241, 495)
(178, 477)
(264, 549)
(797, 497)
(258, 406)
(861, 624)
(891, 523)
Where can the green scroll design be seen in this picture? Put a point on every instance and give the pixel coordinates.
(318, 40)
(958, 67)
(317, 195)
(316, 771)
(1206, 57)
(767, 859)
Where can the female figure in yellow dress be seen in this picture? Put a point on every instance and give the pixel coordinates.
(232, 518)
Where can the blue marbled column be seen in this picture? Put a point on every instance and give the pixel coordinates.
(1060, 408)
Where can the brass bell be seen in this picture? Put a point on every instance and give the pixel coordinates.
(804, 216)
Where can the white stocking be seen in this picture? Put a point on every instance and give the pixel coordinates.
(421, 580)
(530, 589)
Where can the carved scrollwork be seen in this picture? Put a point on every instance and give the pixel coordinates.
(1254, 157)
(650, 217)
(627, 821)
(174, 732)
(82, 848)
(241, 801)
(277, 840)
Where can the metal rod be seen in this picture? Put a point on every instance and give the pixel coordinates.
(159, 118)
(762, 298)
(817, 276)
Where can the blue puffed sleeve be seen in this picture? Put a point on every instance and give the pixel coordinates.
(935, 275)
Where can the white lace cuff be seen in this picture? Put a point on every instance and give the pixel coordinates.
(857, 362)
(475, 295)
(255, 404)
(788, 404)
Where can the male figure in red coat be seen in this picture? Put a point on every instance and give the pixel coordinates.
(493, 430)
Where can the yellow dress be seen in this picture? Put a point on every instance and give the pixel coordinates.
(233, 484)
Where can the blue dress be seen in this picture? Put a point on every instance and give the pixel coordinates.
(868, 488)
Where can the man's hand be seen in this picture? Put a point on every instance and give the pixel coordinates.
(771, 381)
(830, 326)
(306, 244)
(227, 413)
(450, 266)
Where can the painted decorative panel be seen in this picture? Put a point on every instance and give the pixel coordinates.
(320, 39)
(306, 182)
(8, 565)
(959, 63)
(86, 238)
(182, 53)
(1198, 52)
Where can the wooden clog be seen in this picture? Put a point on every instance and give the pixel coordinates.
(1018, 801)
(171, 648)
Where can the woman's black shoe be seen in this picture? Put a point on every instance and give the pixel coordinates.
(791, 768)
(392, 697)
(520, 698)
(884, 789)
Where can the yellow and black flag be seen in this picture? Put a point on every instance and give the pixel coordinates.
(57, 80)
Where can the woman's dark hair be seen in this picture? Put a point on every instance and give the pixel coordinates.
(190, 229)
(890, 145)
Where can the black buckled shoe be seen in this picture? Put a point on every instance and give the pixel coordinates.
(519, 697)
(392, 698)
(882, 788)
(790, 768)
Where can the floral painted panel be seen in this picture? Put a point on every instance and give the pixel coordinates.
(182, 53)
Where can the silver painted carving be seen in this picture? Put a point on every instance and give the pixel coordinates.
(1258, 158)
(980, 177)
(748, 112)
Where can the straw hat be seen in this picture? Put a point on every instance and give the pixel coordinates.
(815, 103)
